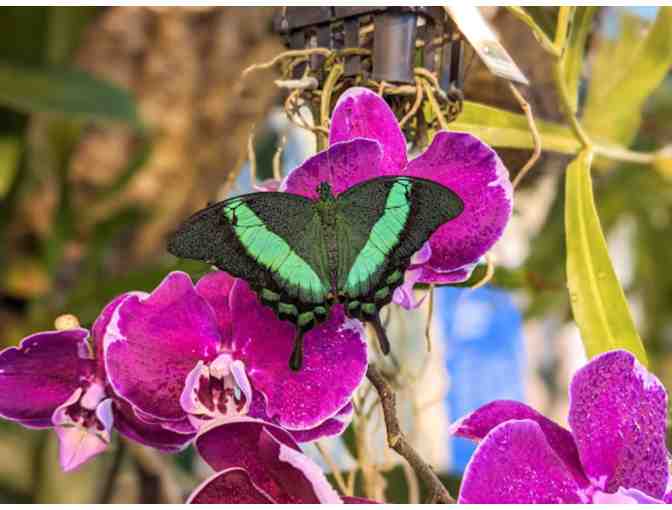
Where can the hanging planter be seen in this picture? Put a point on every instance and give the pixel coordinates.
(413, 56)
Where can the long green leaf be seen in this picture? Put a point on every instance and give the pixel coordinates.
(597, 299)
(502, 128)
(626, 71)
(542, 22)
(65, 91)
(565, 19)
(572, 58)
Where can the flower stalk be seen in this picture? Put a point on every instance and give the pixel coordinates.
(397, 441)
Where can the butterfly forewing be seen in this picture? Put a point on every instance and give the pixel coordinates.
(271, 239)
(384, 222)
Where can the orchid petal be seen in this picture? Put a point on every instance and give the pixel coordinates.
(624, 497)
(41, 373)
(473, 170)
(152, 343)
(230, 487)
(617, 414)
(478, 424)
(514, 463)
(334, 361)
(78, 443)
(404, 295)
(330, 427)
(270, 456)
(215, 288)
(359, 112)
(342, 165)
(153, 435)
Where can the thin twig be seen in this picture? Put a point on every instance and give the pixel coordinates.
(397, 441)
(305, 83)
(277, 159)
(429, 76)
(286, 54)
(338, 476)
(110, 481)
(416, 105)
(252, 156)
(489, 272)
(536, 138)
(325, 104)
(352, 478)
(435, 105)
(430, 314)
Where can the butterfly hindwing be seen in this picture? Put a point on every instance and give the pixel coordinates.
(271, 240)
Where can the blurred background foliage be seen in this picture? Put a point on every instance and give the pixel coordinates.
(115, 123)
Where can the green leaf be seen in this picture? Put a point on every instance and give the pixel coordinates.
(597, 299)
(572, 58)
(10, 149)
(65, 91)
(565, 19)
(625, 72)
(502, 128)
(542, 21)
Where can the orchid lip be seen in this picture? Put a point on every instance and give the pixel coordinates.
(219, 389)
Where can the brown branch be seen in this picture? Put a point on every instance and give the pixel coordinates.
(397, 441)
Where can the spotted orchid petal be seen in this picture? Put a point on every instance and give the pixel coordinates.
(155, 435)
(470, 168)
(342, 165)
(333, 426)
(230, 487)
(618, 414)
(477, 425)
(270, 457)
(360, 113)
(41, 374)
(334, 361)
(514, 463)
(152, 343)
(215, 288)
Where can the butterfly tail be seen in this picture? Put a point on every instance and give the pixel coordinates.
(296, 359)
(381, 334)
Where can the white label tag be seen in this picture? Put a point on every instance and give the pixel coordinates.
(483, 39)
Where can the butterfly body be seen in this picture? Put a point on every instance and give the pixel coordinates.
(302, 256)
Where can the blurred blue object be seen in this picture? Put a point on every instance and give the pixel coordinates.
(485, 355)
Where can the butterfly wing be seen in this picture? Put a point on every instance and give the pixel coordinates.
(272, 240)
(382, 223)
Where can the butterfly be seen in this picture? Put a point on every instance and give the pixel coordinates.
(302, 256)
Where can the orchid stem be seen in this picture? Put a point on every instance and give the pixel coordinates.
(397, 441)
(110, 482)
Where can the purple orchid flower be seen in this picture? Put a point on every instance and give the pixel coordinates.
(366, 142)
(55, 379)
(179, 359)
(615, 451)
(50, 380)
(259, 462)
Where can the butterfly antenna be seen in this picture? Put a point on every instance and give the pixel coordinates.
(381, 333)
(296, 360)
